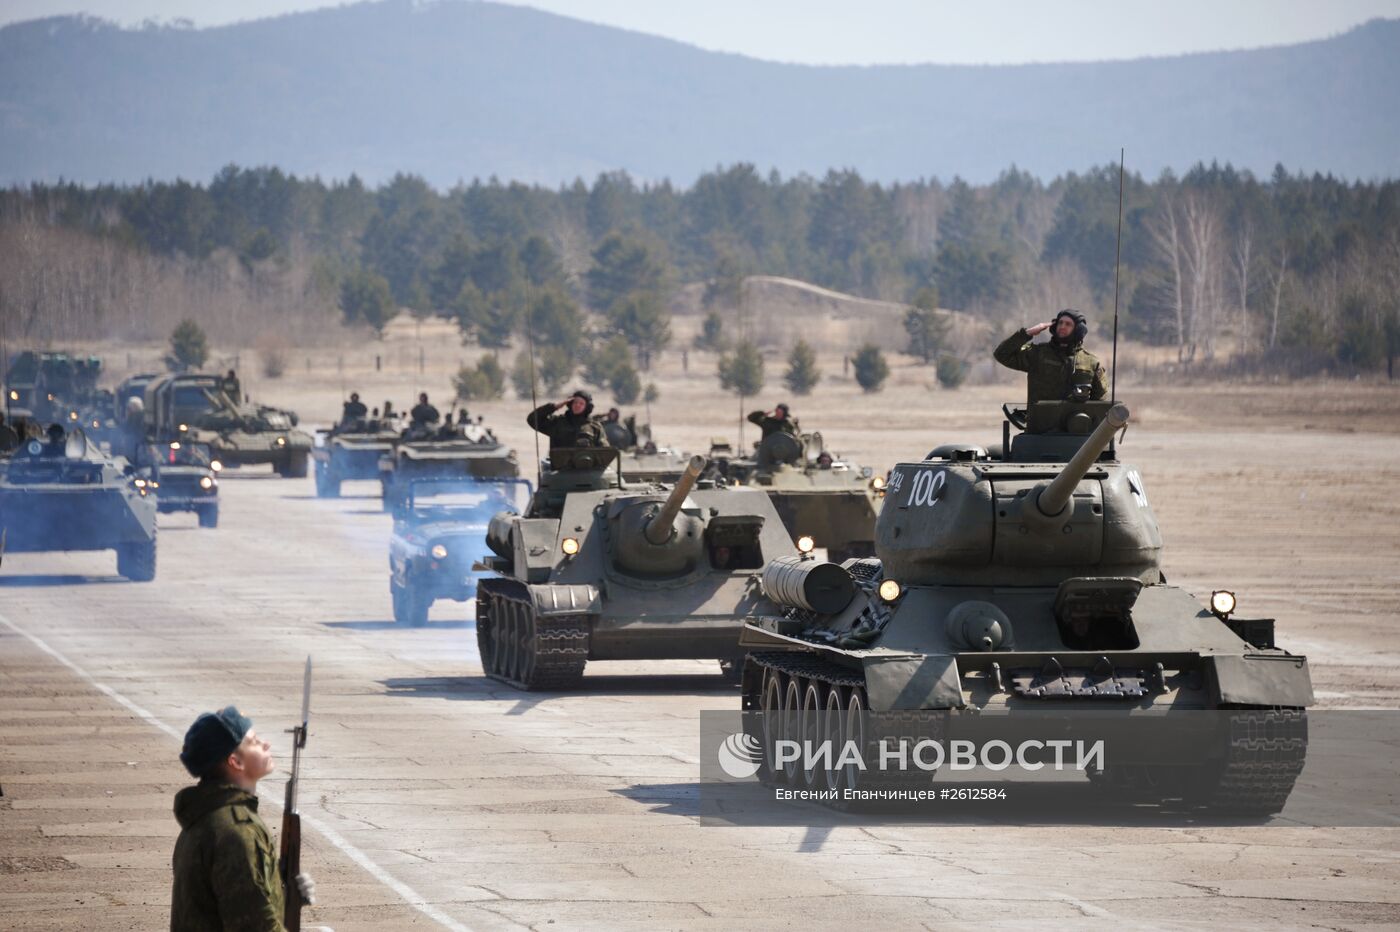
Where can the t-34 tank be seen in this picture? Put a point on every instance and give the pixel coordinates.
(196, 407)
(1021, 586)
(597, 569)
(62, 493)
(817, 494)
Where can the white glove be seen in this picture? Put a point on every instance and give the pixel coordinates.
(307, 887)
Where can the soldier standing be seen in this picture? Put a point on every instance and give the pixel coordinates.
(569, 423)
(423, 413)
(779, 420)
(225, 864)
(1059, 370)
(621, 434)
(232, 387)
(353, 410)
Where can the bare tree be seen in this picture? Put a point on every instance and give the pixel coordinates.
(1277, 274)
(1243, 260)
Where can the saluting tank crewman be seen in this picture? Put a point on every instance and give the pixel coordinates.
(1059, 370)
(569, 423)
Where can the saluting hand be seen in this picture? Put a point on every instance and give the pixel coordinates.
(1039, 328)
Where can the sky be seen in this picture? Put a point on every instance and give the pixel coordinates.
(871, 31)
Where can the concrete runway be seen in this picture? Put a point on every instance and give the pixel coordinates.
(438, 799)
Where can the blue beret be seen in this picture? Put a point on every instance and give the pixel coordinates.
(213, 737)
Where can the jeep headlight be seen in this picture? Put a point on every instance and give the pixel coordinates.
(889, 590)
(215, 465)
(175, 445)
(14, 395)
(206, 483)
(569, 545)
(1222, 603)
(439, 552)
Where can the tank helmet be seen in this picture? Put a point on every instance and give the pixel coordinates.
(782, 406)
(587, 401)
(1081, 328)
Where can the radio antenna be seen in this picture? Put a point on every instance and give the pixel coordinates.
(1117, 262)
(534, 402)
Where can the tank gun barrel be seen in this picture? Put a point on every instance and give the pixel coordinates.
(1054, 497)
(659, 529)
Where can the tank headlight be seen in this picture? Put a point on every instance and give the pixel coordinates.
(215, 465)
(175, 445)
(1222, 602)
(139, 483)
(72, 415)
(805, 544)
(95, 424)
(206, 483)
(281, 441)
(439, 552)
(14, 395)
(184, 427)
(569, 546)
(889, 590)
(877, 483)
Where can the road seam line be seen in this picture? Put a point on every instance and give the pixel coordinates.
(408, 894)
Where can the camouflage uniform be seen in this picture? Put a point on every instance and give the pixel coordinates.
(773, 425)
(568, 429)
(1051, 368)
(225, 865)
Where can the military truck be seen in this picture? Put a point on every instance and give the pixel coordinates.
(817, 493)
(197, 408)
(183, 476)
(349, 451)
(1022, 583)
(51, 387)
(471, 451)
(58, 492)
(439, 540)
(599, 569)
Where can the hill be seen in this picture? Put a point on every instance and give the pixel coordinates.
(457, 89)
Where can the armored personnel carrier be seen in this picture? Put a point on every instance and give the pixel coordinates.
(51, 387)
(1022, 584)
(196, 407)
(597, 569)
(350, 451)
(62, 493)
(471, 451)
(817, 494)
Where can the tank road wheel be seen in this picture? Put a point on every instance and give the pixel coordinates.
(792, 726)
(771, 705)
(834, 734)
(853, 728)
(137, 561)
(813, 730)
(208, 515)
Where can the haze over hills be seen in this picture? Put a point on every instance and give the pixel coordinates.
(459, 89)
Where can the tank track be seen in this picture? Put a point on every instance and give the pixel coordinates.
(1263, 751)
(1264, 754)
(807, 668)
(529, 651)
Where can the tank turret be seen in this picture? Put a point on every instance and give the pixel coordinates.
(967, 520)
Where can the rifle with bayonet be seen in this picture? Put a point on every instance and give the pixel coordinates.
(290, 857)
